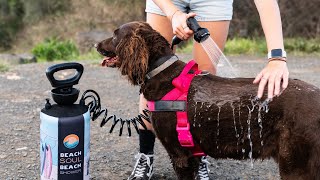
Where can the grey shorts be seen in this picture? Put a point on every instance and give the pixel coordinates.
(206, 10)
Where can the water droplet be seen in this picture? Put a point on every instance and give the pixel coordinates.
(234, 120)
(260, 124)
(218, 123)
(249, 135)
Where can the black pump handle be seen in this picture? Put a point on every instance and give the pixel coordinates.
(66, 82)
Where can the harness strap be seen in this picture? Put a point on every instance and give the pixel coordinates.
(167, 105)
(172, 102)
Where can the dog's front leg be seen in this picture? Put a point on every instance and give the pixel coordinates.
(184, 163)
(186, 168)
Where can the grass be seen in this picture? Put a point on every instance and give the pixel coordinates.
(91, 55)
(4, 67)
(257, 46)
(238, 46)
(53, 49)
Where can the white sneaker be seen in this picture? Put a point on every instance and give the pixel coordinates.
(143, 169)
(203, 172)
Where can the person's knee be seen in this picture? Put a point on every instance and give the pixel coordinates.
(142, 107)
(207, 67)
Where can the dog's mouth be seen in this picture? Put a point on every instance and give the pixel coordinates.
(110, 61)
(110, 58)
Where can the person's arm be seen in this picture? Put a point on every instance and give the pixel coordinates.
(276, 71)
(176, 17)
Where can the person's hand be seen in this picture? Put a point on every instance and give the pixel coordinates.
(275, 73)
(179, 24)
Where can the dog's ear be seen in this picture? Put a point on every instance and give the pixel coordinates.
(134, 54)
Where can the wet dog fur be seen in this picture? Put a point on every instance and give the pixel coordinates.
(224, 115)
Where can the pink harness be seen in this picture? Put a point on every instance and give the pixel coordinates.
(180, 93)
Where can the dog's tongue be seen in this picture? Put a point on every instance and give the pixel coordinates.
(104, 61)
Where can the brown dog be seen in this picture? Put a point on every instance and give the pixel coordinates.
(226, 119)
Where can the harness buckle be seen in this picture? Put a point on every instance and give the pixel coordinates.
(183, 129)
(185, 137)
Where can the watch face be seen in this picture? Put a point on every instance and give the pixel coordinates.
(276, 53)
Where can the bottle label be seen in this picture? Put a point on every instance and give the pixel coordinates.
(65, 147)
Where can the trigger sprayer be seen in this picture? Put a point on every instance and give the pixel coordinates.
(200, 34)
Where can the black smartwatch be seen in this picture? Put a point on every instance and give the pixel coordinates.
(277, 53)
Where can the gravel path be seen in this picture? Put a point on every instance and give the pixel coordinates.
(22, 95)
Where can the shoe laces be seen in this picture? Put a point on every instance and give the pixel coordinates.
(141, 164)
(203, 172)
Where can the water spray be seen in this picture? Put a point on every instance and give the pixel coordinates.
(218, 59)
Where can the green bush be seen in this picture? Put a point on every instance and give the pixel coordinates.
(245, 46)
(53, 49)
(257, 46)
(302, 45)
(3, 67)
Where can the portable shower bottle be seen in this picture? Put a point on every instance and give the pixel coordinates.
(64, 130)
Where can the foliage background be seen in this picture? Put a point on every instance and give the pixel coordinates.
(25, 23)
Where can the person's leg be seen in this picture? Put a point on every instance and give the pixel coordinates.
(218, 32)
(161, 24)
(144, 168)
(146, 137)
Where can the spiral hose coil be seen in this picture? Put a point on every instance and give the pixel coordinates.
(95, 109)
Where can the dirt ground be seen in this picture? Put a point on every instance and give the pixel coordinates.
(22, 95)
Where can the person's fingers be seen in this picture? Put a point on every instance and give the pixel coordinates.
(277, 84)
(185, 34)
(185, 26)
(191, 14)
(180, 28)
(178, 33)
(285, 80)
(258, 78)
(271, 82)
(187, 30)
(262, 84)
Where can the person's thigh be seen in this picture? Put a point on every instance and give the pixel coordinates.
(161, 24)
(219, 33)
(218, 30)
